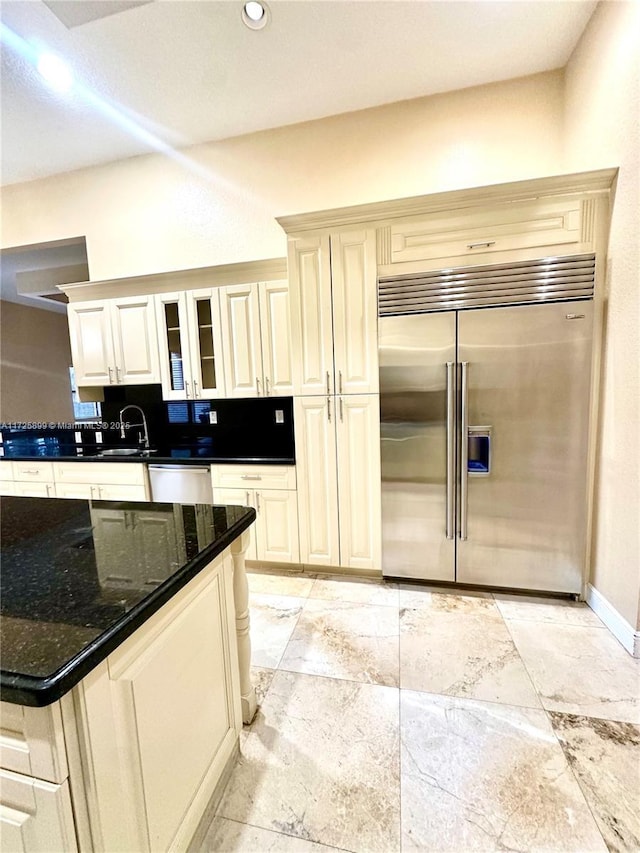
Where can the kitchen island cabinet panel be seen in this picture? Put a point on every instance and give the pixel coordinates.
(159, 718)
(139, 693)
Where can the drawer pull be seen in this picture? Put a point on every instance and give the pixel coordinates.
(31, 471)
(485, 243)
(251, 477)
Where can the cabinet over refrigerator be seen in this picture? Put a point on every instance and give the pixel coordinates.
(485, 378)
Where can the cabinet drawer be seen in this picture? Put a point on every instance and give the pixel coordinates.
(35, 815)
(126, 473)
(32, 742)
(35, 471)
(439, 237)
(35, 490)
(254, 477)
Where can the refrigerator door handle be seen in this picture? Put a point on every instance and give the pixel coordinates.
(464, 448)
(450, 450)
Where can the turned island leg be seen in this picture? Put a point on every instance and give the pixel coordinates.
(241, 599)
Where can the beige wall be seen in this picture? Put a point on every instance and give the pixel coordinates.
(602, 128)
(149, 214)
(34, 365)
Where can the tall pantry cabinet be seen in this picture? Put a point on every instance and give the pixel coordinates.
(332, 287)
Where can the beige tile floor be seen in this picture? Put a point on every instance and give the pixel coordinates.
(396, 718)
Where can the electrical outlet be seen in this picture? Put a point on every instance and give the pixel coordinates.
(213, 417)
(78, 437)
(279, 416)
(98, 437)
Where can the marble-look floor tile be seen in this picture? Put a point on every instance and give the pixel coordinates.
(358, 592)
(442, 600)
(261, 680)
(579, 670)
(345, 640)
(280, 584)
(477, 776)
(605, 757)
(321, 762)
(272, 618)
(546, 610)
(229, 836)
(464, 653)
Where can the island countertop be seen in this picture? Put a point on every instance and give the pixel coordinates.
(62, 613)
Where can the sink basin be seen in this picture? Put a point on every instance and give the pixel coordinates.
(121, 451)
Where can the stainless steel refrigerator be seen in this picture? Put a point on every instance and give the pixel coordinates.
(485, 377)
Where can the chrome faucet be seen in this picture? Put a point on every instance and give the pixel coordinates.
(143, 424)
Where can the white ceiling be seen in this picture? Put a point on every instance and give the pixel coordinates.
(187, 71)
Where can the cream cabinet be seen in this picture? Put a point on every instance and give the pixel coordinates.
(151, 731)
(271, 491)
(114, 341)
(107, 481)
(334, 312)
(35, 812)
(189, 331)
(240, 310)
(491, 234)
(257, 339)
(338, 463)
(33, 478)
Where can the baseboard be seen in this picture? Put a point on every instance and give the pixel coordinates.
(624, 633)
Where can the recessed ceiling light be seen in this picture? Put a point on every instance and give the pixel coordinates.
(55, 72)
(255, 15)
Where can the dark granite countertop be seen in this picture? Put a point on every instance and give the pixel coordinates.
(64, 608)
(179, 454)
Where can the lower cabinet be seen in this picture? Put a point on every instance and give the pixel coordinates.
(130, 758)
(274, 536)
(35, 815)
(104, 481)
(339, 488)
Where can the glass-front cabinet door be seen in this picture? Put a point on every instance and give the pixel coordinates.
(190, 344)
(173, 338)
(203, 311)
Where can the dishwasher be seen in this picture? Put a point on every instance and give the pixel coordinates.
(186, 484)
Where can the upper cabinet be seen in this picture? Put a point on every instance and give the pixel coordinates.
(334, 312)
(113, 341)
(189, 331)
(257, 339)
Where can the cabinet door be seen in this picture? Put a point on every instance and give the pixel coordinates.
(359, 486)
(275, 329)
(311, 320)
(239, 497)
(91, 343)
(317, 480)
(135, 340)
(355, 311)
(241, 338)
(175, 364)
(277, 526)
(35, 815)
(205, 345)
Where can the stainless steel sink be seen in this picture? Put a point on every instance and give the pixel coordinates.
(121, 451)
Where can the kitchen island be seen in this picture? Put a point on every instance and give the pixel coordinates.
(125, 670)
